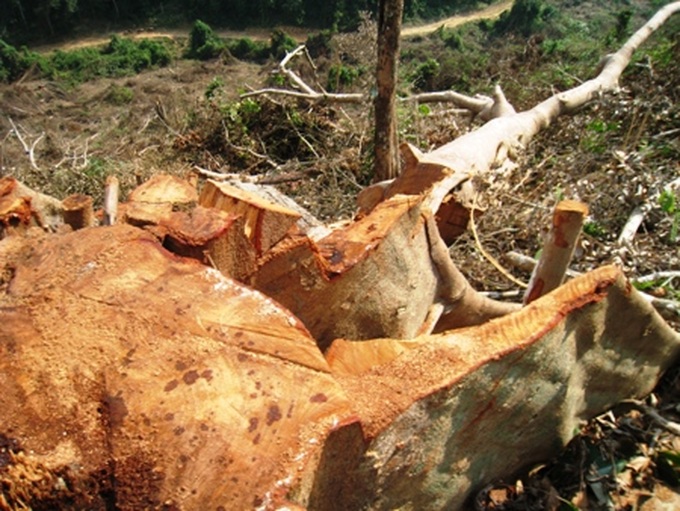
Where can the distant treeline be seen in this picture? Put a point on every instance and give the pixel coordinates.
(24, 21)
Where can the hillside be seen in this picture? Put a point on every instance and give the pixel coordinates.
(618, 153)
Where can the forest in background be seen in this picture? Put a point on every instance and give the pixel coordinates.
(25, 21)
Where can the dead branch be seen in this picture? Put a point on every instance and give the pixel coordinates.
(657, 275)
(307, 92)
(496, 144)
(527, 263)
(28, 150)
(483, 107)
(638, 215)
(668, 309)
(668, 425)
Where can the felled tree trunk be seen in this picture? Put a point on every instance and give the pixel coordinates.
(447, 170)
(138, 380)
(445, 414)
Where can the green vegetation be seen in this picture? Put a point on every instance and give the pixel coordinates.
(24, 21)
(526, 17)
(341, 76)
(203, 43)
(670, 205)
(120, 57)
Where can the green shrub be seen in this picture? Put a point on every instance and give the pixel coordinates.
(14, 63)
(119, 95)
(280, 43)
(203, 43)
(525, 17)
(423, 77)
(340, 76)
(247, 49)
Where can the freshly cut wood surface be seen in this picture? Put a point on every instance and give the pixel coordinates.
(163, 188)
(145, 380)
(213, 237)
(266, 223)
(78, 211)
(22, 207)
(558, 249)
(373, 278)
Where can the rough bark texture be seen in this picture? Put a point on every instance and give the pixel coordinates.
(386, 144)
(444, 414)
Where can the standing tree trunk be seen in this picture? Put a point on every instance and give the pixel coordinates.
(386, 144)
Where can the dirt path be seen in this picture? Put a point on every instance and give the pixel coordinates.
(259, 34)
(491, 12)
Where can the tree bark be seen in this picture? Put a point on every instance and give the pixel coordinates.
(390, 13)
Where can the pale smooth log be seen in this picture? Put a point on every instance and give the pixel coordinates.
(446, 414)
(497, 143)
(111, 191)
(558, 249)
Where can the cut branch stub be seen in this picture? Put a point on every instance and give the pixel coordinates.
(558, 249)
(111, 191)
(78, 211)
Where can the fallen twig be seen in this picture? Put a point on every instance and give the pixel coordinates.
(653, 414)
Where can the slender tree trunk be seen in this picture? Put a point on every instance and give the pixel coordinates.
(386, 144)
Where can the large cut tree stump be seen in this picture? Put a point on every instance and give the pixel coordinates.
(135, 380)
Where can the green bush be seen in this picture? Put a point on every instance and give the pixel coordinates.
(423, 77)
(120, 57)
(280, 43)
(340, 76)
(247, 49)
(526, 17)
(14, 63)
(203, 43)
(119, 95)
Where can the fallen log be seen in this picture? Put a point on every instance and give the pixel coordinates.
(388, 273)
(445, 414)
(447, 171)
